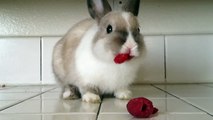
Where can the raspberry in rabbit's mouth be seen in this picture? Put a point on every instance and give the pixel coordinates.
(122, 57)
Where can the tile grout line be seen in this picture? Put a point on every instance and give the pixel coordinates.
(165, 61)
(48, 113)
(41, 70)
(99, 109)
(185, 101)
(145, 34)
(21, 101)
(41, 57)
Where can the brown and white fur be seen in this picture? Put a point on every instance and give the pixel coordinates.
(83, 58)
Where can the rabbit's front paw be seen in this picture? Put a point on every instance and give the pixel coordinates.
(124, 94)
(91, 98)
(69, 95)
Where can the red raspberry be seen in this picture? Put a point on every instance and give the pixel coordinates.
(155, 110)
(141, 107)
(122, 57)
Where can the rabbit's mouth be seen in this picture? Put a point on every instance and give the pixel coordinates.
(132, 51)
(126, 54)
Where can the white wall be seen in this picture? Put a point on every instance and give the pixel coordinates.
(55, 17)
(178, 35)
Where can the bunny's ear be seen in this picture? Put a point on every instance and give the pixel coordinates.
(98, 8)
(131, 6)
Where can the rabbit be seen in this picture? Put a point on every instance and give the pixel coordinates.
(83, 59)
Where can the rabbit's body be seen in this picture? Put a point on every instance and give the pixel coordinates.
(106, 76)
(83, 58)
(65, 49)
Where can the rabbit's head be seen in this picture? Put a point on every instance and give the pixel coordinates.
(118, 31)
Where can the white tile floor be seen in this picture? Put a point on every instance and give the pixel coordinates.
(175, 102)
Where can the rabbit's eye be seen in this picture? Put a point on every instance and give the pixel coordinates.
(139, 30)
(109, 29)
